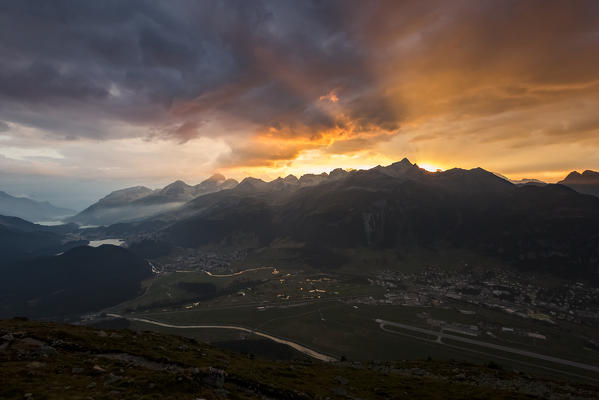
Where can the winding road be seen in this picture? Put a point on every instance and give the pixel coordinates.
(236, 273)
(296, 346)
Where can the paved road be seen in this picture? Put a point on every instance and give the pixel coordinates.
(226, 275)
(513, 350)
(298, 347)
(237, 273)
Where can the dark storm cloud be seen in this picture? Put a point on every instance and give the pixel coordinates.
(119, 56)
(323, 71)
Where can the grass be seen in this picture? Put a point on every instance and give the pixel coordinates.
(168, 289)
(337, 328)
(77, 369)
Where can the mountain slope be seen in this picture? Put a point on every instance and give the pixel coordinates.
(587, 182)
(20, 239)
(57, 361)
(30, 210)
(82, 279)
(141, 202)
(111, 208)
(405, 208)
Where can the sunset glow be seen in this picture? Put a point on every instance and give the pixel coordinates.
(274, 88)
(429, 167)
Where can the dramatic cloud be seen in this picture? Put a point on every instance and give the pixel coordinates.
(289, 86)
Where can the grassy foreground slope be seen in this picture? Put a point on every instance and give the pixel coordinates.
(54, 361)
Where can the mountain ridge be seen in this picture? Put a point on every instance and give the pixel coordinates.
(140, 202)
(399, 207)
(587, 182)
(31, 210)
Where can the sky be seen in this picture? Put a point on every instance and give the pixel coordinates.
(96, 96)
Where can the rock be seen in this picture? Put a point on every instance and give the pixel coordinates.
(36, 364)
(46, 351)
(59, 343)
(32, 342)
(28, 395)
(77, 370)
(341, 380)
(91, 385)
(112, 379)
(96, 368)
(102, 334)
(8, 337)
(214, 377)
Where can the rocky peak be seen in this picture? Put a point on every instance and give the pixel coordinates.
(216, 178)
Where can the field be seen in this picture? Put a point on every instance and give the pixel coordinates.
(334, 313)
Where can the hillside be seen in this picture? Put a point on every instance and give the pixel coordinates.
(31, 210)
(54, 361)
(83, 279)
(20, 239)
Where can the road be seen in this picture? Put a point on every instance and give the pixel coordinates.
(228, 275)
(440, 335)
(296, 346)
(237, 273)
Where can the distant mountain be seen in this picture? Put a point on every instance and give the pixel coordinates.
(141, 202)
(31, 210)
(83, 279)
(527, 181)
(587, 182)
(399, 207)
(20, 239)
(180, 192)
(111, 208)
(522, 182)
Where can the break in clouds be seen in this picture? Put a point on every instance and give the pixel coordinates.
(260, 83)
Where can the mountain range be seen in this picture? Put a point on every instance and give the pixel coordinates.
(400, 207)
(31, 210)
(329, 218)
(141, 202)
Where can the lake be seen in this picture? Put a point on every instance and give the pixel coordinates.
(114, 242)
